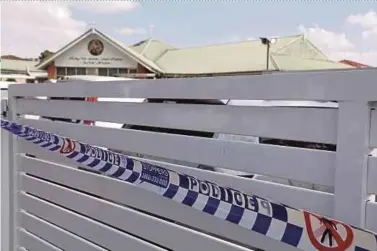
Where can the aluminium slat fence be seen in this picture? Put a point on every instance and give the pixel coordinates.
(50, 204)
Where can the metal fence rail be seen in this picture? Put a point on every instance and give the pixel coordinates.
(48, 194)
(276, 221)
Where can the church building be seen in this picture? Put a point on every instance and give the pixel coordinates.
(95, 53)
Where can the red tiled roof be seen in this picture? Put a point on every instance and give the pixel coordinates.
(353, 63)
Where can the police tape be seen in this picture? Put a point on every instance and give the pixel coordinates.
(302, 229)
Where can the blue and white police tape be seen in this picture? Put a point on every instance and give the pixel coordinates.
(304, 230)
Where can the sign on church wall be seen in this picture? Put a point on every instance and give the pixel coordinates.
(94, 52)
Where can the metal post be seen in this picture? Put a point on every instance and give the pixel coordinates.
(268, 55)
(9, 177)
(351, 163)
(5, 184)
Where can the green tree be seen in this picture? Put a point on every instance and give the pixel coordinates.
(45, 54)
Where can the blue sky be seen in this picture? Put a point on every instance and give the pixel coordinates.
(341, 29)
(190, 23)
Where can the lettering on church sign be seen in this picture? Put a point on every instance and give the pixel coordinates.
(95, 60)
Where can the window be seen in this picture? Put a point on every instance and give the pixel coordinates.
(133, 71)
(92, 71)
(60, 71)
(103, 72)
(113, 71)
(81, 71)
(71, 71)
(123, 71)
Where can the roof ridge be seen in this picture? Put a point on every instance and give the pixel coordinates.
(314, 59)
(146, 46)
(160, 56)
(73, 42)
(139, 43)
(126, 49)
(150, 39)
(147, 62)
(234, 42)
(298, 37)
(315, 47)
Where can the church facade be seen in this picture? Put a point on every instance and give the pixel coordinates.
(95, 53)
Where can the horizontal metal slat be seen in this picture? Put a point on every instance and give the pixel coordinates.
(306, 165)
(319, 202)
(304, 124)
(317, 85)
(131, 221)
(54, 234)
(31, 242)
(130, 195)
(91, 230)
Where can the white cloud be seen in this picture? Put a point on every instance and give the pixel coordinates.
(251, 38)
(367, 21)
(368, 57)
(130, 31)
(235, 39)
(30, 27)
(106, 7)
(337, 46)
(327, 40)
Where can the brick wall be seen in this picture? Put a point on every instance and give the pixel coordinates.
(51, 71)
(142, 69)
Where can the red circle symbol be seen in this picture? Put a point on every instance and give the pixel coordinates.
(328, 229)
(68, 146)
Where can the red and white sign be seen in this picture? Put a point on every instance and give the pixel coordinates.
(68, 146)
(326, 234)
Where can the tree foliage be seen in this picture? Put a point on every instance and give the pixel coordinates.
(45, 54)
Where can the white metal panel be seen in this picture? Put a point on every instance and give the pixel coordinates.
(93, 231)
(351, 170)
(372, 175)
(32, 149)
(139, 224)
(307, 165)
(127, 194)
(6, 190)
(317, 85)
(371, 216)
(53, 234)
(284, 103)
(31, 242)
(373, 127)
(305, 124)
(10, 197)
(315, 201)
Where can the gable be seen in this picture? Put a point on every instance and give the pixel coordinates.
(302, 48)
(80, 56)
(151, 48)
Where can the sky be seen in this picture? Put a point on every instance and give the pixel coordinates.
(341, 29)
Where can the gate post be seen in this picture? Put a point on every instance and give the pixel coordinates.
(9, 184)
(352, 162)
(5, 185)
